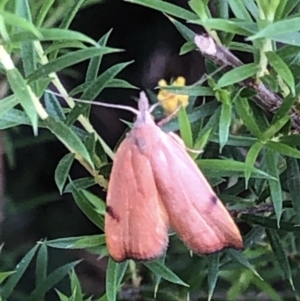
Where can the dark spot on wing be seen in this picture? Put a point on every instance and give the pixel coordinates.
(213, 199)
(141, 144)
(112, 213)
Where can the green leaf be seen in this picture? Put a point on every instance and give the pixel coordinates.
(53, 106)
(61, 296)
(289, 39)
(87, 208)
(98, 203)
(237, 75)
(251, 158)
(75, 287)
(187, 47)
(280, 255)
(233, 140)
(52, 34)
(8, 103)
(193, 90)
(157, 278)
(275, 186)
(120, 83)
(77, 110)
(67, 135)
(14, 20)
(208, 130)
(224, 124)
(167, 8)
(71, 13)
(288, 8)
(185, 128)
(282, 70)
(62, 171)
(24, 96)
(244, 28)
(239, 10)
(63, 45)
(95, 62)
(269, 222)
(292, 140)
(101, 82)
(212, 273)
(27, 48)
(239, 257)
(187, 33)
(13, 280)
(43, 11)
(82, 183)
(112, 280)
(56, 276)
(293, 184)
(230, 167)
(268, 289)
(13, 118)
(246, 114)
(282, 27)
(200, 8)
(69, 59)
(41, 265)
(284, 149)
(4, 275)
(79, 242)
(284, 109)
(161, 270)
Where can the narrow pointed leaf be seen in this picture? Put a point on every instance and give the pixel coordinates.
(101, 82)
(69, 59)
(239, 257)
(280, 255)
(293, 183)
(13, 280)
(21, 91)
(224, 124)
(282, 70)
(212, 276)
(275, 186)
(246, 114)
(79, 242)
(251, 158)
(87, 208)
(271, 223)
(161, 270)
(55, 277)
(8, 103)
(237, 75)
(62, 171)
(95, 62)
(41, 264)
(68, 136)
(167, 8)
(112, 285)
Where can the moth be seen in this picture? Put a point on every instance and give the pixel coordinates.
(155, 186)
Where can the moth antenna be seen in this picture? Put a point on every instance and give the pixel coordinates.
(102, 104)
(153, 107)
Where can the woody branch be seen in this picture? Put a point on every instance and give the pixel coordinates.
(265, 98)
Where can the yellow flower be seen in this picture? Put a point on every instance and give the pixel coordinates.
(170, 101)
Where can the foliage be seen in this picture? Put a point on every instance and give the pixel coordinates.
(257, 152)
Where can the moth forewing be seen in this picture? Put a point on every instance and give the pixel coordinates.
(136, 223)
(195, 211)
